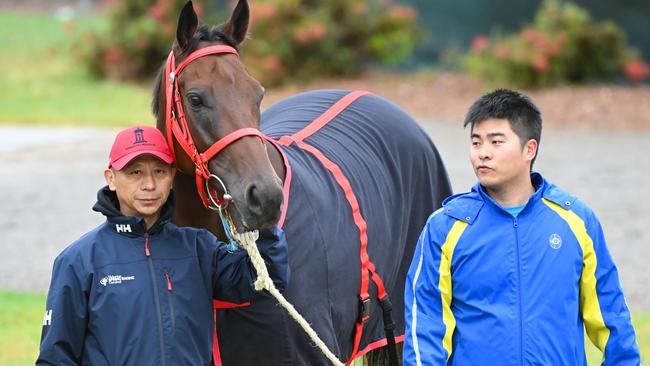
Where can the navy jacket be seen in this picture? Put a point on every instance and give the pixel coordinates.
(112, 301)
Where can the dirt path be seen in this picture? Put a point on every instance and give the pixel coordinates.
(49, 178)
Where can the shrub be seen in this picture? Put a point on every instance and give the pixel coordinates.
(139, 37)
(563, 45)
(289, 38)
(302, 39)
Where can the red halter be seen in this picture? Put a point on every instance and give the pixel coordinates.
(176, 124)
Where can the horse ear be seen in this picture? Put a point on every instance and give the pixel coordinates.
(237, 25)
(187, 24)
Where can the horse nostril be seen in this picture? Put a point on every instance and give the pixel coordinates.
(253, 199)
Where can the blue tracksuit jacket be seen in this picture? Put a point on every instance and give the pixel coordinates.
(122, 295)
(485, 288)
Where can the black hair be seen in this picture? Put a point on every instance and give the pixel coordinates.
(520, 112)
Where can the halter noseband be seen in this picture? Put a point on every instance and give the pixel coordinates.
(176, 127)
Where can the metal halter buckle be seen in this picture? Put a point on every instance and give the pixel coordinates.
(227, 198)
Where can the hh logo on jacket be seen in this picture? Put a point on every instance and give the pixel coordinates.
(123, 228)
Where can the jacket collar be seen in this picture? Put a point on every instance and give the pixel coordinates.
(538, 181)
(466, 206)
(108, 205)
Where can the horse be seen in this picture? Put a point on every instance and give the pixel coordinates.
(349, 176)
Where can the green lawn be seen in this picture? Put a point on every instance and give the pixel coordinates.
(21, 315)
(43, 83)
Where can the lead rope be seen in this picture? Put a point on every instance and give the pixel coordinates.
(263, 282)
(248, 242)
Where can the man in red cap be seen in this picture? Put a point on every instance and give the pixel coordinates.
(138, 290)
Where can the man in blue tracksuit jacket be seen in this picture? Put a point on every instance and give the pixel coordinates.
(512, 272)
(138, 290)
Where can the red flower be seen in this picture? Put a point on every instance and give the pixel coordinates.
(314, 32)
(272, 63)
(501, 52)
(318, 31)
(157, 12)
(530, 35)
(541, 64)
(113, 55)
(402, 12)
(636, 71)
(480, 43)
(263, 11)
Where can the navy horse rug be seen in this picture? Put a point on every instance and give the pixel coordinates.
(361, 179)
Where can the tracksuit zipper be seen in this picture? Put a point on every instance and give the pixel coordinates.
(170, 297)
(521, 320)
(147, 253)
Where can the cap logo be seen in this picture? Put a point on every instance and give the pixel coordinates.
(139, 136)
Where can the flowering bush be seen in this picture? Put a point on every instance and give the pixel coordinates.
(296, 39)
(562, 45)
(301, 39)
(139, 37)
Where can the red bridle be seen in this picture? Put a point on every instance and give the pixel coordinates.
(176, 124)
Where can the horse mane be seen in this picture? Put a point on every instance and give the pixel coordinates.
(214, 34)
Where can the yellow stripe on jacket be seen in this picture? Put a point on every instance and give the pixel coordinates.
(597, 331)
(445, 282)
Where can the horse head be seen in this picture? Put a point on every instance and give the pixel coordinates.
(212, 98)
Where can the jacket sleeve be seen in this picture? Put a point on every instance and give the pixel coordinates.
(602, 303)
(425, 304)
(234, 273)
(66, 314)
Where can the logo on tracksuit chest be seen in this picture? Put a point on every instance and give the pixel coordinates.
(555, 241)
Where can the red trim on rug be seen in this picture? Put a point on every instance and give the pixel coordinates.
(219, 304)
(367, 267)
(215, 342)
(360, 222)
(286, 185)
(329, 114)
(378, 344)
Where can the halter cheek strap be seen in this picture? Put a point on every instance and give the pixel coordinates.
(177, 128)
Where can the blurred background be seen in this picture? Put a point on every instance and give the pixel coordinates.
(76, 71)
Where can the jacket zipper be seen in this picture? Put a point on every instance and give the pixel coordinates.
(521, 320)
(147, 253)
(170, 297)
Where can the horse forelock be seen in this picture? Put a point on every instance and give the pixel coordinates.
(213, 34)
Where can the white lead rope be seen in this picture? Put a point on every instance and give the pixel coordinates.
(248, 242)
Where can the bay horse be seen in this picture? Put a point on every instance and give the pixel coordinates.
(349, 176)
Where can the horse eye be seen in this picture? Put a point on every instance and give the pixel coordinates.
(195, 100)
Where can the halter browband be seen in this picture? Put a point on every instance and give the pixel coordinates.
(176, 123)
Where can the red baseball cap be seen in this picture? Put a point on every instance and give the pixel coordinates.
(135, 141)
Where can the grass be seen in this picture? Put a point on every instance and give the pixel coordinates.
(21, 315)
(43, 83)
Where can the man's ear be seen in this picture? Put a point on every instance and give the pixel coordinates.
(109, 175)
(530, 149)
